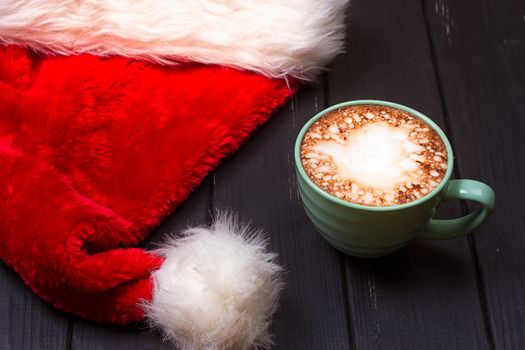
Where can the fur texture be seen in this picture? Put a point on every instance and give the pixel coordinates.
(216, 289)
(277, 38)
(95, 152)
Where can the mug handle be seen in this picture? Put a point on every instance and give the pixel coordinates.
(469, 190)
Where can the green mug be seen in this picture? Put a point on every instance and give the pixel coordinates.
(367, 231)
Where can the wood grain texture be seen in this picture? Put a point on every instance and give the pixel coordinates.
(26, 321)
(424, 296)
(259, 184)
(94, 336)
(480, 50)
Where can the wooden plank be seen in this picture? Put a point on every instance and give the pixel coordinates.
(480, 47)
(93, 336)
(424, 296)
(26, 321)
(259, 184)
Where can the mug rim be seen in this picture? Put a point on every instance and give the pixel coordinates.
(424, 118)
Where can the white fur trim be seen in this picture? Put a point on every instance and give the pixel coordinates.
(276, 38)
(217, 288)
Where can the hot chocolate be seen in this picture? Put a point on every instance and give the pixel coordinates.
(374, 155)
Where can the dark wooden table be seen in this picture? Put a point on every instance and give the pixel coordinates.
(461, 62)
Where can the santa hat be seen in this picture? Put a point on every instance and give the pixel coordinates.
(111, 113)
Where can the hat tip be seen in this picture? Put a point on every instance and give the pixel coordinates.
(217, 288)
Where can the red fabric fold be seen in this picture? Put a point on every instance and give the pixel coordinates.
(95, 152)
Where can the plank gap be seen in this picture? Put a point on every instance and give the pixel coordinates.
(326, 90)
(478, 275)
(480, 280)
(210, 189)
(439, 83)
(346, 302)
(69, 339)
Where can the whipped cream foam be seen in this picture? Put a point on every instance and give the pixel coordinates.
(377, 155)
(374, 155)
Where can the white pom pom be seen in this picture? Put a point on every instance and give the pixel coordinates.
(217, 288)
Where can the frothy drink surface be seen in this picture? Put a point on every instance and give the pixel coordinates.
(374, 155)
